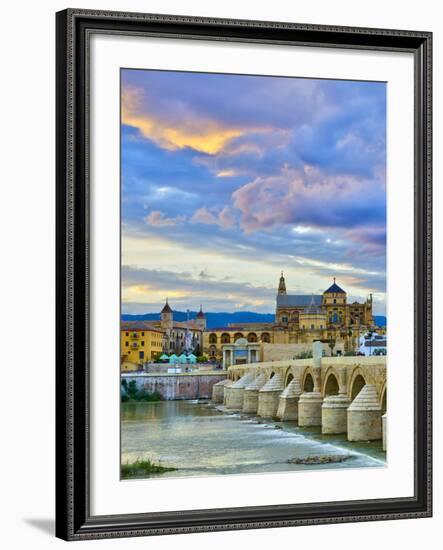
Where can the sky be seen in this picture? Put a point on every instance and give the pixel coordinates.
(229, 179)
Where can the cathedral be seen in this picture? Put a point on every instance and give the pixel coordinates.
(320, 311)
(300, 319)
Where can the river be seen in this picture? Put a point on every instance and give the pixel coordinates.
(200, 440)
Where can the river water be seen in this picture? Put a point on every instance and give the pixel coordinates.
(200, 440)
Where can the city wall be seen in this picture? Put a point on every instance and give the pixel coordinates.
(177, 386)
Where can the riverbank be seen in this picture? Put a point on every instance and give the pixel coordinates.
(143, 468)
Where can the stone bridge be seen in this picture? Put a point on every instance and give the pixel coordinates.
(340, 394)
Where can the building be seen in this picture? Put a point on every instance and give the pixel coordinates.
(182, 336)
(249, 335)
(139, 343)
(332, 305)
(300, 319)
(373, 344)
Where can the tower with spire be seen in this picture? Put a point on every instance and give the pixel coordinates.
(201, 319)
(166, 317)
(282, 285)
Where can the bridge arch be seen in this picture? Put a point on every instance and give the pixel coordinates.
(288, 377)
(252, 337)
(308, 381)
(358, 380)
(330, 385)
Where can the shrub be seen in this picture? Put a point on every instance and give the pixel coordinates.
(141, 468)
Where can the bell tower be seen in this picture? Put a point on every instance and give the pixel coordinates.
(166, 317)
(201, 320)
(282, 285)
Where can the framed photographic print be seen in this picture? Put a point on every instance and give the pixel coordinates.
(243, 274)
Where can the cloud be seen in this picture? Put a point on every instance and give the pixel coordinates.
(151, 286)
(308, 197)
(158, 219)
(224, 219)
(250, 175)
(206, 135)
(202, 215)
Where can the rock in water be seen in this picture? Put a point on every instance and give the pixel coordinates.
(312, 460)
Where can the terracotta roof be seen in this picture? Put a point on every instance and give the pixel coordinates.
(138, 326)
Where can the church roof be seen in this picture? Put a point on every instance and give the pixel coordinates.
(298, 300)
(313, 307)
(335, 288)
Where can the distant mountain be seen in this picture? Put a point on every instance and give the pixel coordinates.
(213, 320)
(379, 320)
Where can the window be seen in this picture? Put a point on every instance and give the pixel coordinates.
(143, 342)
(312, 327)
(141, 354)
(126, 344)
(335, 301)
(284, 319)
(127, 334)
(143, 333)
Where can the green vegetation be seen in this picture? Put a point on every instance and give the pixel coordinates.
(304, 355)
(141, 468)
(202, 359)
(130, 392)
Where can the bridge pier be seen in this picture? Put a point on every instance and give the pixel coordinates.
(309, 409)
(218, 391)
(384, 429)
(250, 395)
(364, 416)
(268, 396)
(334, 414)
(234, 393)
(288, 401)
(225, 390)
